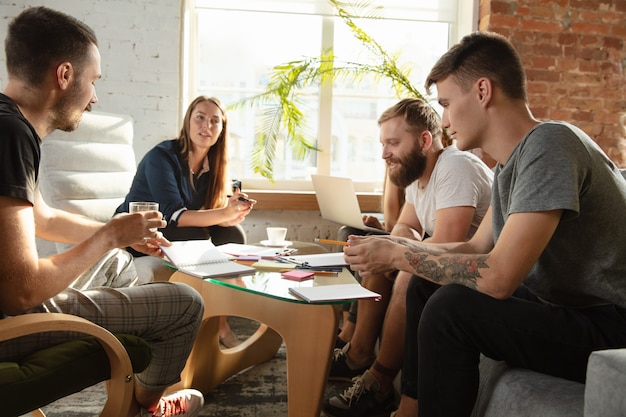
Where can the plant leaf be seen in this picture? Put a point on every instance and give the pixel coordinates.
(281, 102)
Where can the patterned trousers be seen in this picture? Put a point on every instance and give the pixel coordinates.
(167, 315)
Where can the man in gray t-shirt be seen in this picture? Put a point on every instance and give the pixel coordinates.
(584, 263)
(542, 283)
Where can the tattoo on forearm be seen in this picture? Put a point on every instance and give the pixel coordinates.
(453, 269)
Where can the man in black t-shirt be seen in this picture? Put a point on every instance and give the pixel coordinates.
(53, 63)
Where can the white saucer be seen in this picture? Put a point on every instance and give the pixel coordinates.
(282, 244)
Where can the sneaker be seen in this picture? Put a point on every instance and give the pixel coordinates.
(339, 343)
(186, 402)
(362, 399)
(342, 368)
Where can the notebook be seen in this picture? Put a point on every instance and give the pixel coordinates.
(316, 259)
(202, 259)
(339, 292)
(238, 249)
(338, 203)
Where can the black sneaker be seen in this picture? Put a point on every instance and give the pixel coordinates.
(339, 343)
(361, 399)
(342, 368)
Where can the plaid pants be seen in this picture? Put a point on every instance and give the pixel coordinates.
(165, 314)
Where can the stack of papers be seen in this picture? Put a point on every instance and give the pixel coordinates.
(238, 249)
(317, 260)
(325, 293)
(269, 265)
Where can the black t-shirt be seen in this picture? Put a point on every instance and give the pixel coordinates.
(20, 147)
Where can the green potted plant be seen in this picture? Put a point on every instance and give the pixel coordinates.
(282, 98)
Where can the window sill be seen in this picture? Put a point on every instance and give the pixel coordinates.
(303, 200)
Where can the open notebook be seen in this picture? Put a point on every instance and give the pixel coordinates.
(338, 203)
(202, 259)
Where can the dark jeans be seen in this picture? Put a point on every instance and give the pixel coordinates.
(451, 326)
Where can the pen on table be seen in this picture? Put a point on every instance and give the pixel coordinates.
(332, 242)
(240, 198)
(291, 261)
(321, 268)
(331, 273)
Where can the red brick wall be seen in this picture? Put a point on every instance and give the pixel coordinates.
(574, 52)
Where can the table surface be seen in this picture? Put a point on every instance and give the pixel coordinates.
(307, 329)
(272, 284)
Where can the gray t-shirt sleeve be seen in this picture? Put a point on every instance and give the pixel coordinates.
(557, 167)
(548, 172)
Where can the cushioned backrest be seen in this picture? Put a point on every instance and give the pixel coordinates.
(89, 171)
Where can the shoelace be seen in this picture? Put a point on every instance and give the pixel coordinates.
(354, 392)
(337, 353)
(172, 407)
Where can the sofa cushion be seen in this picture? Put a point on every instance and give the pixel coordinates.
(506, 391)
(89, 171)
(606, 384)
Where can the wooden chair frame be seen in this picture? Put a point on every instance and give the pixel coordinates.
(121, 385)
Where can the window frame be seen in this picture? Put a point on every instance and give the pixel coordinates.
(466, 21)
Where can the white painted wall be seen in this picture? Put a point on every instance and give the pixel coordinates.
(139, 44)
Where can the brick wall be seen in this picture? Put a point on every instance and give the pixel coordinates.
(574, 52)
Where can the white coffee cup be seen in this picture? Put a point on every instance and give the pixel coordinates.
(138, 206)
(276, 235)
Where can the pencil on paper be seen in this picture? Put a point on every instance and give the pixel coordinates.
(330, 273)
(332, 242)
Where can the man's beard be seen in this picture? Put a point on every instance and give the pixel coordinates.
(64, 116)
(411, 167)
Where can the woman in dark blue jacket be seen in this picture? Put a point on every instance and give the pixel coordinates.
(188, 177)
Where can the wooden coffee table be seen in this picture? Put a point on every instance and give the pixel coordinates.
(308, 330)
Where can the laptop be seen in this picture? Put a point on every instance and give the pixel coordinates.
(338, 202)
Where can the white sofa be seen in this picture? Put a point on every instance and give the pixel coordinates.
(89, 172)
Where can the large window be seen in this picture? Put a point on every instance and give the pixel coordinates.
(231, 47)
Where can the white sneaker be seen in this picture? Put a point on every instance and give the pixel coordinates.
(186, 402)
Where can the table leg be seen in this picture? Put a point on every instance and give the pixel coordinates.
(309, 345)
(208, 365)
(309, 332)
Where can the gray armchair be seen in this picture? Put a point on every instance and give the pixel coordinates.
(506, 391)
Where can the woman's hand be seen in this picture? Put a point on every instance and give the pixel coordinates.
(372, 221)
(152, 247)
(239, 206)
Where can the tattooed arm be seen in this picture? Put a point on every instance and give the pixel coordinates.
(459, 269)
(496, 270)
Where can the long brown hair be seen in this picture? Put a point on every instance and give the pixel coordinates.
(218, 188)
